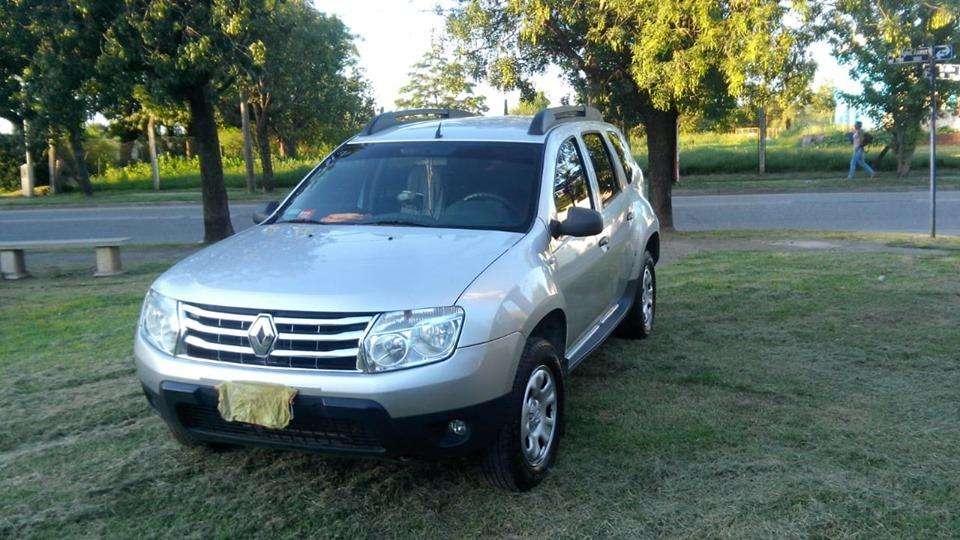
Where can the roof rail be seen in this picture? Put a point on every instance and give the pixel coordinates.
(547, 118)
(394, 118)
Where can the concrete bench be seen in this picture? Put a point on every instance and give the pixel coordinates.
(13, 264)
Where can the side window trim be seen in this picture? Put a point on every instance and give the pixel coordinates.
(578, 147)
(593, 172)
(625, 167)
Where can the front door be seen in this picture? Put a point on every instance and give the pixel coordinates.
(577, 262)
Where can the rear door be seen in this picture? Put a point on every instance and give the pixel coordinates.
(577, 262)
(615, 207)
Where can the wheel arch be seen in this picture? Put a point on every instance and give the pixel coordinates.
(653, 246)
(553, 328)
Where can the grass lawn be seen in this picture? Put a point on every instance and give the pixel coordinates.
(784, 393)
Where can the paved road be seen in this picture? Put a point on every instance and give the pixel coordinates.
(891, 212)
(871, 211)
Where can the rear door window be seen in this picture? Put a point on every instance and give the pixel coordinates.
(607, 181)
(570, 186)
(621, 154)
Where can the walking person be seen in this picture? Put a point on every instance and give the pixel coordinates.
(860, 140)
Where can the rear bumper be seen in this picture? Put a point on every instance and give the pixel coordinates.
(333, 425)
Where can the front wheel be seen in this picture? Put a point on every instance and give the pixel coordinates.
(638, 324)
(527, 444)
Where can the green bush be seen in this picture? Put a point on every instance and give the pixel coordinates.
(177, 172)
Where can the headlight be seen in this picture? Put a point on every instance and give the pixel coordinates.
(402, 339)
(160, 322)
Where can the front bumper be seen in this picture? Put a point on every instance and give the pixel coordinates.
(333, 425)
(403, 412)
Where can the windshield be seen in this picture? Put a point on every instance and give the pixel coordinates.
(456, 184)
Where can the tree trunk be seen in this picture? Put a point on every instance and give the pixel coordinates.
(263, 143)
(662, 152)
(152, 150)
(203, 129)
(762, 140)
(80, 158)
(247, 145)
(52, 167)
(288, 147)
(904, 149)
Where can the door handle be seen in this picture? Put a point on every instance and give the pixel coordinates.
(630, 215)
(604, 241)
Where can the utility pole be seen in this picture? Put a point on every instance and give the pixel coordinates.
(247, 145)
(152, 149)
(933, 143)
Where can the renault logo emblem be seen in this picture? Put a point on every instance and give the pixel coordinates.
(262, 335)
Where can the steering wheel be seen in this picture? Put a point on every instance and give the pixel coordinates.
(491, 196)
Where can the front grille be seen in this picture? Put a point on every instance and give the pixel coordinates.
(308, 432)
(304, 340)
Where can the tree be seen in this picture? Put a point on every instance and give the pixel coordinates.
(16, 46)
(67, 39)
(531, 104)
(187, 52)
(437, 82)
(864, 34)
(307, 80)
(638, 60)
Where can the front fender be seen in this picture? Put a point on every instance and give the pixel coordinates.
(512, 294)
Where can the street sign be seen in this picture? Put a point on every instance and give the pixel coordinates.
(950, 72)
(934, 58)
(921, 55)
(942, 53)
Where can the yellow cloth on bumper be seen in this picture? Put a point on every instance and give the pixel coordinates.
(263, 404)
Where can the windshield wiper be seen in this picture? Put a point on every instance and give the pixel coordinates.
(393, 221)
(302, 220)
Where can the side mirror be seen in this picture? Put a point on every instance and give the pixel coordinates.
(579, 222)
(263, 212)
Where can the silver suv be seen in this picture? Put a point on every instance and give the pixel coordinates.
(426, 290)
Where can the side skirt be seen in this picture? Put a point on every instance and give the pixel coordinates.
(602, 330)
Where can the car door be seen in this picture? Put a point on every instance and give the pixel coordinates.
(577, 262)
(615, 209)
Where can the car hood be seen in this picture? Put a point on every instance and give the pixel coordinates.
(335, 268)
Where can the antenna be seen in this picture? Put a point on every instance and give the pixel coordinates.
(438, 135)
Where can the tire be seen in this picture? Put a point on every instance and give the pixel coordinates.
(509, 462)
(638, 324)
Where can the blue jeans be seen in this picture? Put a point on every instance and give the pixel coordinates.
(858, 160)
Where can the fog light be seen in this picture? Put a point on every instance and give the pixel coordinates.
(458, 427)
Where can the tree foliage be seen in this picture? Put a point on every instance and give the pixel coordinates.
(864, 34)
(439, 82)
(188, 52)
(639, 60)
(305, 82)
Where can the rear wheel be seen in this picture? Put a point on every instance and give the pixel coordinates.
(527, 444)
(638, 324)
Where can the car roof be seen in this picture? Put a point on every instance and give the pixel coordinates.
(473, 128)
